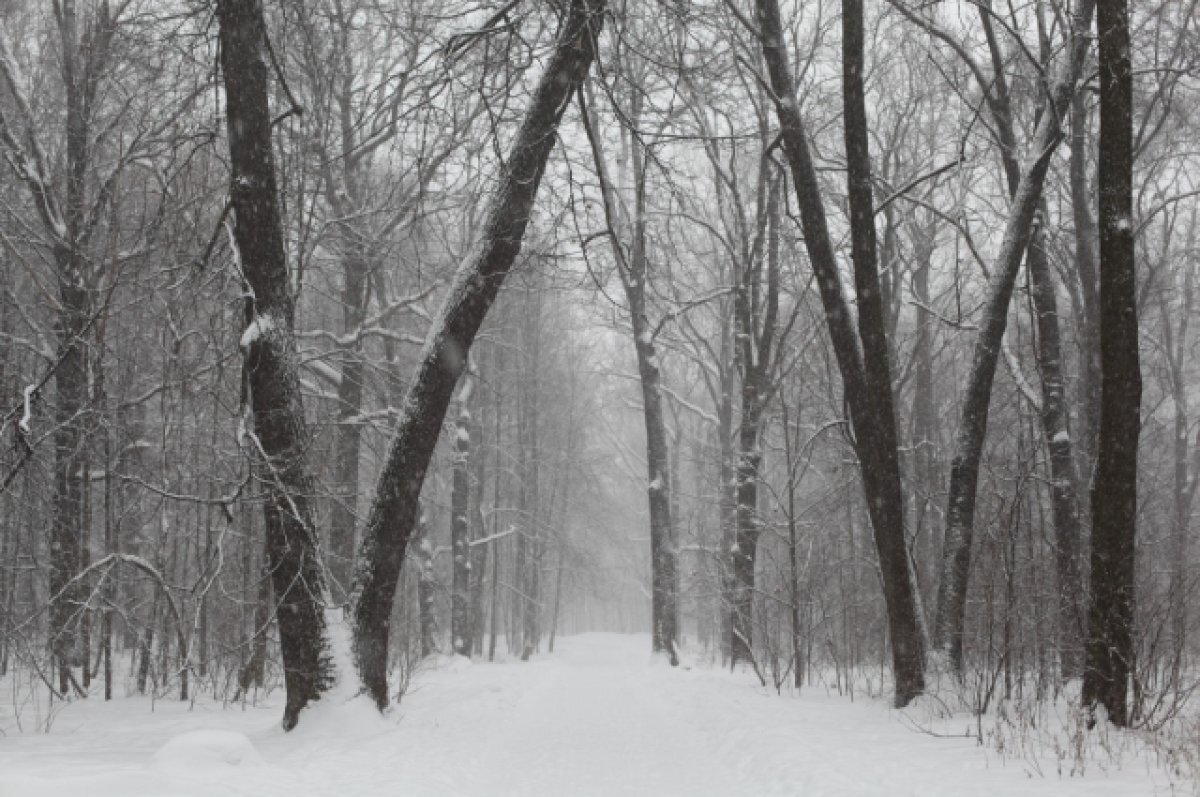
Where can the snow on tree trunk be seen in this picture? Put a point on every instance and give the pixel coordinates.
(393, 512)
(1110, 648)
(1071, 612)
(973, 418)
(462, 633)
(270, 364)
(426, 587)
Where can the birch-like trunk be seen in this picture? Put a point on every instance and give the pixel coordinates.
(462, 632)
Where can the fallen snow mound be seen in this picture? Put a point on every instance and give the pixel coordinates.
(205, 752)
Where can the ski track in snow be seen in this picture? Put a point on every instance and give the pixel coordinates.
(597, 718)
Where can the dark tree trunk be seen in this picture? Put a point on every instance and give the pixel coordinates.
(531, 479)
(871, 413)
(269, 349)
(1114, 494)
(726, 493)
(66, 531)
(926, 464)
(477, 552)
(393, 513)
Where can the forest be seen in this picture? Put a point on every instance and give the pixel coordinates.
(838, 348)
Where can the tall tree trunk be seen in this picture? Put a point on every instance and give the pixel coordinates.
(726, 493)
(269, 351)
(926, 467)
(478, 552)
(973, 418)
(348, 437)
(871, 413)
(1054, 415)
(66, 531)
(755, 316)
(426, 587)
(462, 633)
(634, 272)
(1114, 493)
(393, 512)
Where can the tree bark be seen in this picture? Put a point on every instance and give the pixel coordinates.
(269, 351)
(973, 418)
(634, 273)
(1114, 493)
(393, 512)
(871, 413)
(462, 632)
(348, 437)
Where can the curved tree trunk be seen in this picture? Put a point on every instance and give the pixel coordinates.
(393, 512)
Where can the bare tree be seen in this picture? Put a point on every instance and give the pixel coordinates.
(866, 373)
(1114, 493)
(393, 512)
(270, 371)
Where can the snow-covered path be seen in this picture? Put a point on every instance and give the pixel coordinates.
(597, 718)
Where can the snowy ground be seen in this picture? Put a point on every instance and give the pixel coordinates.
(596, 718)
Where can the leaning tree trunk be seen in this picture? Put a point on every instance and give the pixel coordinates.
(973, 418)
(269, 351)
(426, 588)
(1114, 492)
(393, 512)
(865, 374)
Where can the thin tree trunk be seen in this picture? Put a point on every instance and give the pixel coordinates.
(348, 436)
(393, 513)
(462, 634)
(426, 587)
(1110, 647)
(634, 272)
